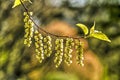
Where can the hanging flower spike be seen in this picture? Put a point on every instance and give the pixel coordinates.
(28, 29)
(59, 52)
(68, 51)
(79, 52)
(39, 46)
(47, 46)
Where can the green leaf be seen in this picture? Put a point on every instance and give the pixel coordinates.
(83, 27)
(99, 35)
(17, 2)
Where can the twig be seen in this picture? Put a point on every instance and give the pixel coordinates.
(26, 9)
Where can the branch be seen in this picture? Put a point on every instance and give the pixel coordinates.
(26, 9)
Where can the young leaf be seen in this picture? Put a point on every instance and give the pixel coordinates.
(99, 35)
(83, 27)
(92, 28)
(17, 2)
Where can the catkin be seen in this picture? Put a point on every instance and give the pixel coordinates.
(79, 51)
(39, 46)
(47, 45)
(28, 29)
(59, 52)
(68, 51)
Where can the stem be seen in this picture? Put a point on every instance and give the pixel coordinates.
(26, 9)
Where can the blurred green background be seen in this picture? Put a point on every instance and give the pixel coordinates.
(17, 62)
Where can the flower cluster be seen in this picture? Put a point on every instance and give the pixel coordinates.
(79, 51)
(59, 52)
(44, 44)
(47, 45)
(28, 29)
(39, 46)
(68, 50)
